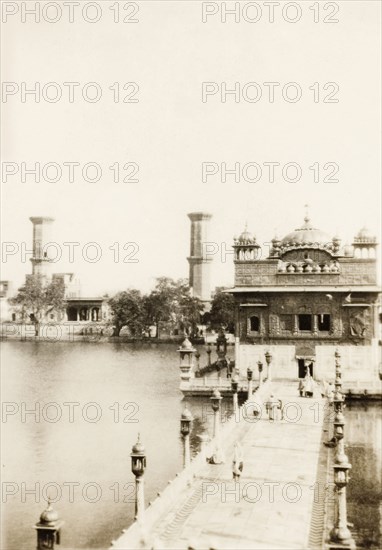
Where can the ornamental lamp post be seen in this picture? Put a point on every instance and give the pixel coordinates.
(221, 344)
(48, 529)
(250, 382)
(268, 358)
(235, 386)
(338, 380)
(138, 465)
(186, 354)
(338, 402)
(185, 429)
(339, 432)
(340, 534)
(260, 367)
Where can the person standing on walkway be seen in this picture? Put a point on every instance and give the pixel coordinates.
(237, 463)
(301, 387)
(271, 407)
(309, 386)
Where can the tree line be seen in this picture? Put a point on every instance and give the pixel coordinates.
(169, 304)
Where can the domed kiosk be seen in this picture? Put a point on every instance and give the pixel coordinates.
(48, 529)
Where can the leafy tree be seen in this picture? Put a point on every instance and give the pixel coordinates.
(127, 309)
(170, 302)
(161, 304)
(190, 311)
(223, 311)
(37, 297)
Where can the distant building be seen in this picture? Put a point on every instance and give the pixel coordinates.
(310, 296)
(5, 308)
(79, 310)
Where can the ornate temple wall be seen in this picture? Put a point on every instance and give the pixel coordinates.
(352, 323)
(359, 364)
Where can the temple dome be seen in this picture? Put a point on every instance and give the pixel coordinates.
(306, 235)
(365, 235)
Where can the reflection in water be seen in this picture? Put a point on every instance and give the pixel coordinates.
(363, 434)
(83, 461)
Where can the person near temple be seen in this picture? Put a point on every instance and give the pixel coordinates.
(271, 407)
(237, 463)
(309, 385)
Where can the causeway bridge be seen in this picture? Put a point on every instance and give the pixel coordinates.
(279, 502)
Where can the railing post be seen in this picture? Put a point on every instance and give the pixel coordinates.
(138, 465)
(185, 429)
(340, 534)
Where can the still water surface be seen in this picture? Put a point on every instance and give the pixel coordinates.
(79, 453)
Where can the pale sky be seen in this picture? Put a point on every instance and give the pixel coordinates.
(170, 132)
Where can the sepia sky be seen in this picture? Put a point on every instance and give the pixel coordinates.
(170, 132)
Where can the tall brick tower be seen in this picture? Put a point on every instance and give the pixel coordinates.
(199, 262)
(41, 237)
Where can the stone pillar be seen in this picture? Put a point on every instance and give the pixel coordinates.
(295, 324)
(315, 325)
(199, 278)
(41, 238)
(140, 498)
(237, 355)
(187, 454)
(217, 457)
(217, 424)
(268, 359)
(185, 429)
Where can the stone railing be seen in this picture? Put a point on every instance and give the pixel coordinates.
(140, 535)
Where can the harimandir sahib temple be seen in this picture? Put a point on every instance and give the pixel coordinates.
(310, 296)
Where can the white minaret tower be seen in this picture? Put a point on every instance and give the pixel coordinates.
(41, 237)
(198, 260)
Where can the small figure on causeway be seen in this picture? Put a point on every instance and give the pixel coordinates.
(237, 463)
(271, 406)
